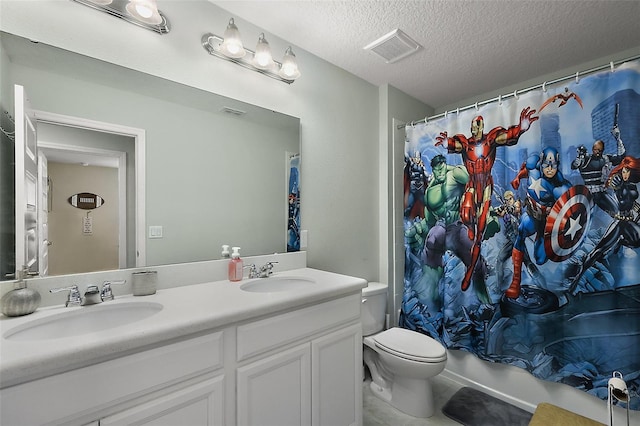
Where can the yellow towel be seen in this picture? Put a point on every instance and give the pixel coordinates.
(550, 415)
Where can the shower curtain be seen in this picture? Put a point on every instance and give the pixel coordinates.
(522, 230)
(293, 202)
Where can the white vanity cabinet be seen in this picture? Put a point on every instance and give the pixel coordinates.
(336, 377)
(276, 390)
(196, 405)
(297, 364)
(179, 379)
(303, 367)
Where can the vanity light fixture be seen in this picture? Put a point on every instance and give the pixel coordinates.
(230, 48)
(143, 13)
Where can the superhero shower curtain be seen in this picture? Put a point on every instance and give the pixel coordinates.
(293, 202)
(522, 231)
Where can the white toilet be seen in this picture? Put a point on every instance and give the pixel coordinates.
(402, 362)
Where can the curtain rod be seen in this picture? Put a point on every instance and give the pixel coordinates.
(515, 93)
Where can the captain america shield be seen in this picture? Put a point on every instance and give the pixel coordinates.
(567, 223)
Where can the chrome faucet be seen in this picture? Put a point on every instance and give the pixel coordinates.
(106, 294)
(263, 272)
(74, 298)
(253, 272)
(92, 295)
(266, 270)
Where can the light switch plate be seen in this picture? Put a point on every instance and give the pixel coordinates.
(155, 231)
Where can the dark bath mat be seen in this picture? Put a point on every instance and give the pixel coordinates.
(474, 408)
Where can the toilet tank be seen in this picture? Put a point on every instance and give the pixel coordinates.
(374, 308)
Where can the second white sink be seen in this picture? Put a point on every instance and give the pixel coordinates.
(80, 321)
(277, 284)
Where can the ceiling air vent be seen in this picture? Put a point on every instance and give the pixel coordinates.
(393, 46)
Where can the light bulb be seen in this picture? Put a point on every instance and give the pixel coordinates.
(232, 44)
(289, 68)
(145, 11)
(262, 58)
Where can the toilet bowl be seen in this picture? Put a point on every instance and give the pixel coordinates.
(401, 362)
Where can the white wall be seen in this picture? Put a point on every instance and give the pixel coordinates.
(396, 108)
(338, 111)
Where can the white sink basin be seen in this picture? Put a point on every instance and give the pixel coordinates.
(277, 284)
(84, 320)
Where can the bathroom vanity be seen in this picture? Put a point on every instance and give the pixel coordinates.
(281, 352)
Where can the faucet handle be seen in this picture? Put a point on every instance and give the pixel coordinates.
(74, 297)
(269, 267)
(253, 272)
(266, 270)
(106, 293)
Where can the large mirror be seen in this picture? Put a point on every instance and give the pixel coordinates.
(215, 170)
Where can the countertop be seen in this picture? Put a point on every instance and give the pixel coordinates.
(186, 311)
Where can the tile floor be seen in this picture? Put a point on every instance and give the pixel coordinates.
(378, 413)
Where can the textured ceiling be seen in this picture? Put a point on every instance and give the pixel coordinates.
(469, 47)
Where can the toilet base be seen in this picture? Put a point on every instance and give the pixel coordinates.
(411, 396)
(403, 383)
(382, 393)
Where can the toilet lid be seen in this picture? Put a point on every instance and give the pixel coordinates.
(410, 345)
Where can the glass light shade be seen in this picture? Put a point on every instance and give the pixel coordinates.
(262, 57)
(145, 11)
(232, 43)
(289, 68)
(101, 2)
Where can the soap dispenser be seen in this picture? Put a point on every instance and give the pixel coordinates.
(235, 265)
(225, 251)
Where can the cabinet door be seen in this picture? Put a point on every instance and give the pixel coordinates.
(337, 378)
(196, 405)
(276, 390)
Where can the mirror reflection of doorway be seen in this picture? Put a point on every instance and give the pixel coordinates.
(82, 160)
(82, 240)
(72, 139)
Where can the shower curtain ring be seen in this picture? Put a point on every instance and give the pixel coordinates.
(499, 99)
(477, 107)
(457, 110)
(612, 67)
(445, 113)
(544, 87)
(515, 94)
(577, 77)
